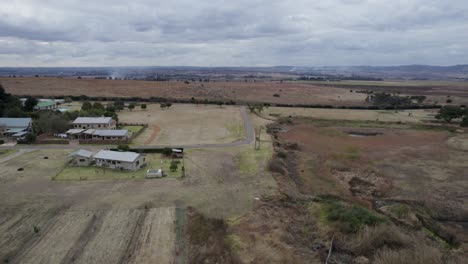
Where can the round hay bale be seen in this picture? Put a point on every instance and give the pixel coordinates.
(46, 157)
(20, 169)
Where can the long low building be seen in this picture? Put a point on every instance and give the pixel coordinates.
(98, 134)
(108, 159)
(119, 160)
(95, 123)
(15, 127)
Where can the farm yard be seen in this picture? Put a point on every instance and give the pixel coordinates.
(154, 161)
(184, 124)
(49, 215)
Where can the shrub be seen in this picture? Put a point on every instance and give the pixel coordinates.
(143, 106)
(173, 166)
(350, 219)
(123, 147)
(420, 254)
(2, 141)
(282, 154)
(371, 239)
(277, 165)
(276, 95)
(167, 151)
(464, 122)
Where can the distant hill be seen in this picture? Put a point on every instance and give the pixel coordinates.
(417, 72)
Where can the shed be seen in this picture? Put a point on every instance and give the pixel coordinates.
(153, 173)
(81, 157)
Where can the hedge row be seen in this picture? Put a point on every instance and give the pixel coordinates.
(231, 102)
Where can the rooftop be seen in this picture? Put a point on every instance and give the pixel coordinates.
(117, 155)
(45, 104)
(82, 153)
(15, 122)
(92, 120)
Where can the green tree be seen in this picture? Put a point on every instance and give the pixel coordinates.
(131, 106)
(464, 122)
(173, 166)
(98, 106)
(86, 106)
(450, 112)
(143, 106)
(123, 147)
(30, 103)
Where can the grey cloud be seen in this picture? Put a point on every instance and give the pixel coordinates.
(243, 32)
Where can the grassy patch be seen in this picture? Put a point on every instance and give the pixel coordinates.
(373, 124)
(351, 153)
(133, 129)
(233, 242)
(348, 218)
(6, 152)
(249, 160)
(154, 161)
(400, 210)
(236, 130)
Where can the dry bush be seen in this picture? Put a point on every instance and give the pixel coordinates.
(372, 238)
(277, 165)
(419, 254)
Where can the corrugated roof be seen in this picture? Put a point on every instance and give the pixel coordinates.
(45, 104)
(15, 130)
(82, 153)
(15, 122)
(74, 131)
(20, 134)
(110, 132)
(92, 120)
(117, 155)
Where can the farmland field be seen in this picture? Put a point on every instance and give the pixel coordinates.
(105, 236)
(416, 116)
(291, 93)
(184, 124)
(115, 220)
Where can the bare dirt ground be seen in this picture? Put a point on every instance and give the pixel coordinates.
(186, 124)
(290, 93)
(126, 221)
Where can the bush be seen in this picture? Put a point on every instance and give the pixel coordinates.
(276, 95)
(173, 166)
(464, 122)
(143, 106)
(167, 152)
(282, 154)
(371, 239)
(350, 219)
(420, 254)
(123, 147)
(2, 141)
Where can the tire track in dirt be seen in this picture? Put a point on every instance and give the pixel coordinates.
(88, 233)
(154, 134)
(134, 244)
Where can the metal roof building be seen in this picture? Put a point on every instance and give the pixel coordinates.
(117, 155)
(92, 120)
(15, 122)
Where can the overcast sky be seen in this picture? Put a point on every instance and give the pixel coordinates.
(233, 33)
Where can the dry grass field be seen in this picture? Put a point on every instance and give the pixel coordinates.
(120, 220)
(413, 116)
(290, 93)
(186, 124)
(412, 166)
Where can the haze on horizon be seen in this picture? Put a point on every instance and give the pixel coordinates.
(233, 33)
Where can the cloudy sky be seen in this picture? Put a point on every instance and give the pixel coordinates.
(233, 33)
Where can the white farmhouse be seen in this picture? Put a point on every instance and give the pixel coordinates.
(95, 123)
(119, 160)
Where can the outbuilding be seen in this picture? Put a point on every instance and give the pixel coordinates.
(81, 158)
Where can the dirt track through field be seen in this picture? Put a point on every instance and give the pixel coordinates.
(154, 133)
(102, 236)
